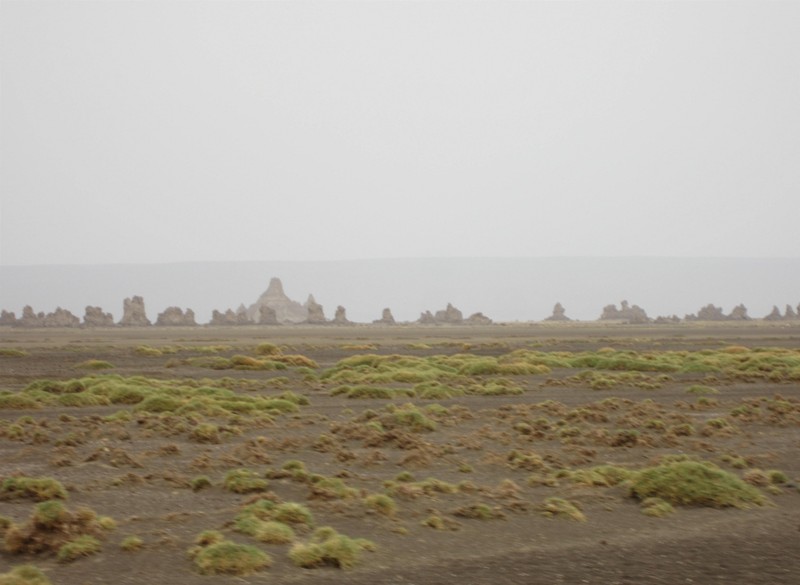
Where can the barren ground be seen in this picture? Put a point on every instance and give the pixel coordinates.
(139, 469)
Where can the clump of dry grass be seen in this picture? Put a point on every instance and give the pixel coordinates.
(328, 547)
(53, 528)
(216, 555)
(694, 483)
(24, 575)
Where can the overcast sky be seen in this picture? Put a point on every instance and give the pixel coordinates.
(188, 131)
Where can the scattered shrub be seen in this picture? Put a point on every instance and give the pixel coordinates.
(83, 546)
(94, 365)
(382, 504)
(328, 547)
(242, 481)
(656, 507)
(692, 483)
(35, 488)
(224, 557)
(559, 507)
(24, 575)
(131, 543)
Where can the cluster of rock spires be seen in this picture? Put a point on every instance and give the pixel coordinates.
(274, 307)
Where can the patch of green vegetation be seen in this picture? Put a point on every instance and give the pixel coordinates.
(146, 350)
(94, 365)
(24, 575)
(293, 513)
(215, 555)
(12, 352)
(36, 488)
(701, 389)
(131, 543)
(382, 504)
(52, 527)
(561, 508)
(365, 391)
(82, 546)
(331, 488)
(329, 548)
(243, 481)
(200, 482)
(656, 507)
(12, 401)
(694, 483)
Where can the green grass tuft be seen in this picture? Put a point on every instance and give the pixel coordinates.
(692, 483)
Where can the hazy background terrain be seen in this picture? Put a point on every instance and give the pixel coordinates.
(302, 139)
(504, 289)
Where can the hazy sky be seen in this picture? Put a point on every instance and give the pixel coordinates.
(181, 131)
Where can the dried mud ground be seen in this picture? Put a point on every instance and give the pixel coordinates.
(496, 458)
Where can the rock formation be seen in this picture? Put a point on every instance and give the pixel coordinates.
(61, 318)
(133, 314)
(286, 310)
(267, 316)
(175, 317)
(7, 318)
(316, 315)
(58, 318)
(559, 314)
(478, 319)
(426, 318)
(340, 318)
(739, 313)
(29, 318)
(631, 314)
(95, 317)
(789, 315)
(386, 318)
(662, 320)
(775, 315)
(709, 313)
(449, 316)
(229, 318)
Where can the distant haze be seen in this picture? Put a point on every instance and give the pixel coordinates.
(176, 131)
(505, 289)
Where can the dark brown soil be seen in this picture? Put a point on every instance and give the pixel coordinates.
(139, 472)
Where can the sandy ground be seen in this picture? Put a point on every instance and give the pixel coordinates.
(139, 471)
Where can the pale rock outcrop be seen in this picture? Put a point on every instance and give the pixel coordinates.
(58, 318)
(662, 320)
(789, 314)
(629, 313)
(267, 316)
(175, 317)
(242, 317)
(559, 314)
(286, 310)
(316, 315)
(478, 319)
(426, 318)
(340, 318)
(133, 313)
(30, 319)
(229, 318)
(739, 313)
(8, 318)
(61, 318)
(95, 317)
(708, 313)
(449, 316)
(775, 315)
(386, 318)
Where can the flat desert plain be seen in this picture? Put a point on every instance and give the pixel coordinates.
(563, 453)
